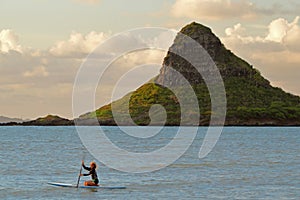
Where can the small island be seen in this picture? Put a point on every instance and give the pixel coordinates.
(251, 100)
(49, 120)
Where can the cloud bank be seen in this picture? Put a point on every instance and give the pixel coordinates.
(276, 54)
(78, 45)
(280, 35)
(40, 82)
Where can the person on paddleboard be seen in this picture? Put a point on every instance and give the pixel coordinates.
(92, 172)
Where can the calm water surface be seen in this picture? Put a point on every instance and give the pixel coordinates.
(247, 163)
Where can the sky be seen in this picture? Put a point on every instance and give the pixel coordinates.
(44, 42)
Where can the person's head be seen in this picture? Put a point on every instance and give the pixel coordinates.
(93, 165)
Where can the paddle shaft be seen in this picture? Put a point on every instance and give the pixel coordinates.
(79, 176)
(80, 172)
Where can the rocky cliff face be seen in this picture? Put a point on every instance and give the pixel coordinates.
(228, 64)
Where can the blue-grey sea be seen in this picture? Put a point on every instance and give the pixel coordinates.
(246, 163)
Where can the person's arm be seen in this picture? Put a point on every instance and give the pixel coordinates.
(86, 174)
(85, 167)
(91, 172)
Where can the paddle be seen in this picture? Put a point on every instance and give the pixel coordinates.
(79, 173)
(79, 176)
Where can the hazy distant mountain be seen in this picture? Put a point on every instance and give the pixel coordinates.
(7, 119)
(49, 120)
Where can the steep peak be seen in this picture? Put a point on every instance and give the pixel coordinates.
(205, 37)
(228, 64)
(195, 29)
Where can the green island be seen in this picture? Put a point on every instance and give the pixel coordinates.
(251, 100)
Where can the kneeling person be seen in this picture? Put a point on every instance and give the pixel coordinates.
(92, 172)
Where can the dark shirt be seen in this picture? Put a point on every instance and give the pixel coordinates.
(92, 172)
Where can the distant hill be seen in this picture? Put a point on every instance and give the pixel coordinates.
(251, 100)
(49, 120)
(7, 119)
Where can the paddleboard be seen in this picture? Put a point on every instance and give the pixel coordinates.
(88, 187)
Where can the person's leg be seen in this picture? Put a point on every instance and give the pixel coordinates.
(89, 183)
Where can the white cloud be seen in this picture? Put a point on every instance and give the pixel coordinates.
(43, 79)
(280, 33)
(39, 71)
(78, 45)
(214, 9)
(33, 81)
(9, 41)
(281, 28)
(292, 38)
(237, 29)
(276, 53)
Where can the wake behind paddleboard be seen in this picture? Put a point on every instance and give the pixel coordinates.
(88, 187)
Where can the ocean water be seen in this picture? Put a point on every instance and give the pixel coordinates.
(246, 163)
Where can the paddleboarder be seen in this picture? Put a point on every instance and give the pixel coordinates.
(92, 172)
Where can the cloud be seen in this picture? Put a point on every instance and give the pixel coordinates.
(43, 79)
(39, 71)
(213, 9)
(276, 53)
(292, 37)
(280, 33)
(33, 82)
(78, 45)
(9, 41)
(36, 85)
(281, 28)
